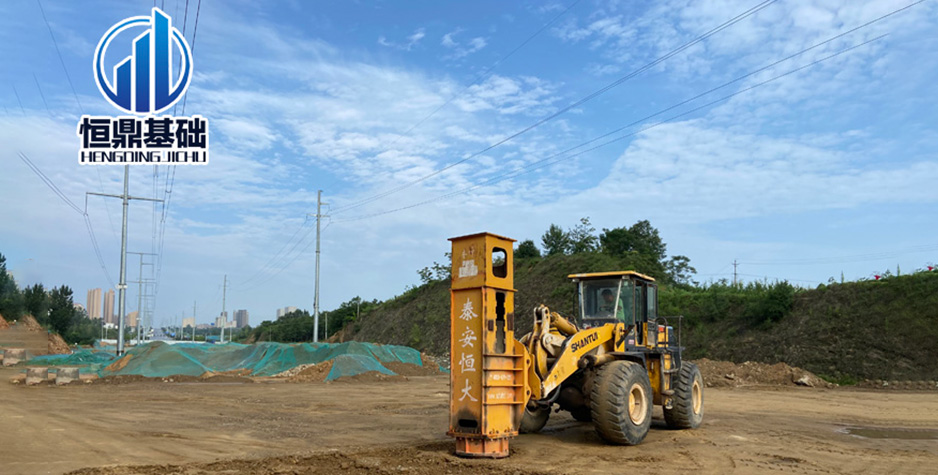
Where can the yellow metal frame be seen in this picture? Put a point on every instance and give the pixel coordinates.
(488, 365)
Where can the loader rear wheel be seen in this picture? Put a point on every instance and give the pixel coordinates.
(534, 421)
(620, 402)
(687, 409)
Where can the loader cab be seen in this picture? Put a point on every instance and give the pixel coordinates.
(612, 297)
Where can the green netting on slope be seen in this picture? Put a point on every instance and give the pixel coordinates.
(159, 359)
(88, 359)
(350, 365)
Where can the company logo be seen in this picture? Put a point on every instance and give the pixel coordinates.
(142, 83)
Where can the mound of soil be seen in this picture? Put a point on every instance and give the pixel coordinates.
(723, 374)
(3, 323)
(407, 369)
(30, 323)
(311, 373)
(233, 376)
(57, 345)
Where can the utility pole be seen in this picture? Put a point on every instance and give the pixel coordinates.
(122, 285)
(319, 217)
(224, 323)
(734, 272)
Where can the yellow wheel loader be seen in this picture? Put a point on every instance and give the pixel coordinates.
(609, 365)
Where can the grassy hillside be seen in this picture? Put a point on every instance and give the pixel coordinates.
(878, 330)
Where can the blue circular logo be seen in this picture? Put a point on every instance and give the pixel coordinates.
(142, 83)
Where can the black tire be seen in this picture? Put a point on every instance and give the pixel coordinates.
(687, 407)
(621, 402)
(534, 421)
(582, 414)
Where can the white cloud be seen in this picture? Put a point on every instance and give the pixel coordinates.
(461, 50)
(412, 40)
(693, 172)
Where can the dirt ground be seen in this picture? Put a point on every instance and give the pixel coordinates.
(398, 426)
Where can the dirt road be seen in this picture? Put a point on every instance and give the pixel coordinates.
(398, 426)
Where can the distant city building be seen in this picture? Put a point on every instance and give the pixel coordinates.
(203, 326)
(241, 318)
(221, 320)
(108, 311)
(284, 311)
(188, 322)
(78, 306)
(131, 319)
(94, 304)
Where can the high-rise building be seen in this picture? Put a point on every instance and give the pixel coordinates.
(221, 320)
(132, 319)
(241, 318)
(188, 322)
(281, 312)
(108, 310)
(94, 304)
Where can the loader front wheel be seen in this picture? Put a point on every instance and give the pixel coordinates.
(620, 402)
(687, 409)
(534, 420)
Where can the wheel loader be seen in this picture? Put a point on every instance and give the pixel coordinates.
(608, 364)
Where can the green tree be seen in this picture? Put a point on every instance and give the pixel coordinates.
(583, 237)
(11, 300)
(36, 303)
(61, 309)
(680, 271)
(555, 241)
(641, 237)
(526, 250)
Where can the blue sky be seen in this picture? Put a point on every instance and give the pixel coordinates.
(829, 169)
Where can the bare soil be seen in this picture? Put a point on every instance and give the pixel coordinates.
(727, 374)
(311, 373)
(3, 323)
(131, 425)
(30, 323)
(57, 345)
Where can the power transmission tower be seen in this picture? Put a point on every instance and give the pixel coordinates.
(122, 285)
(141, 289)
(193, 320)
(319, 217)
(734, 272)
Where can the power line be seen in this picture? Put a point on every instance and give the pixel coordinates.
(560, 156)
(77, 101)
(290, 260)
(172, 183)
(18, 100)
(59, 53)
(43, 96)
(483, 75)
(575, 104)
(58, 192)
(275, 257)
